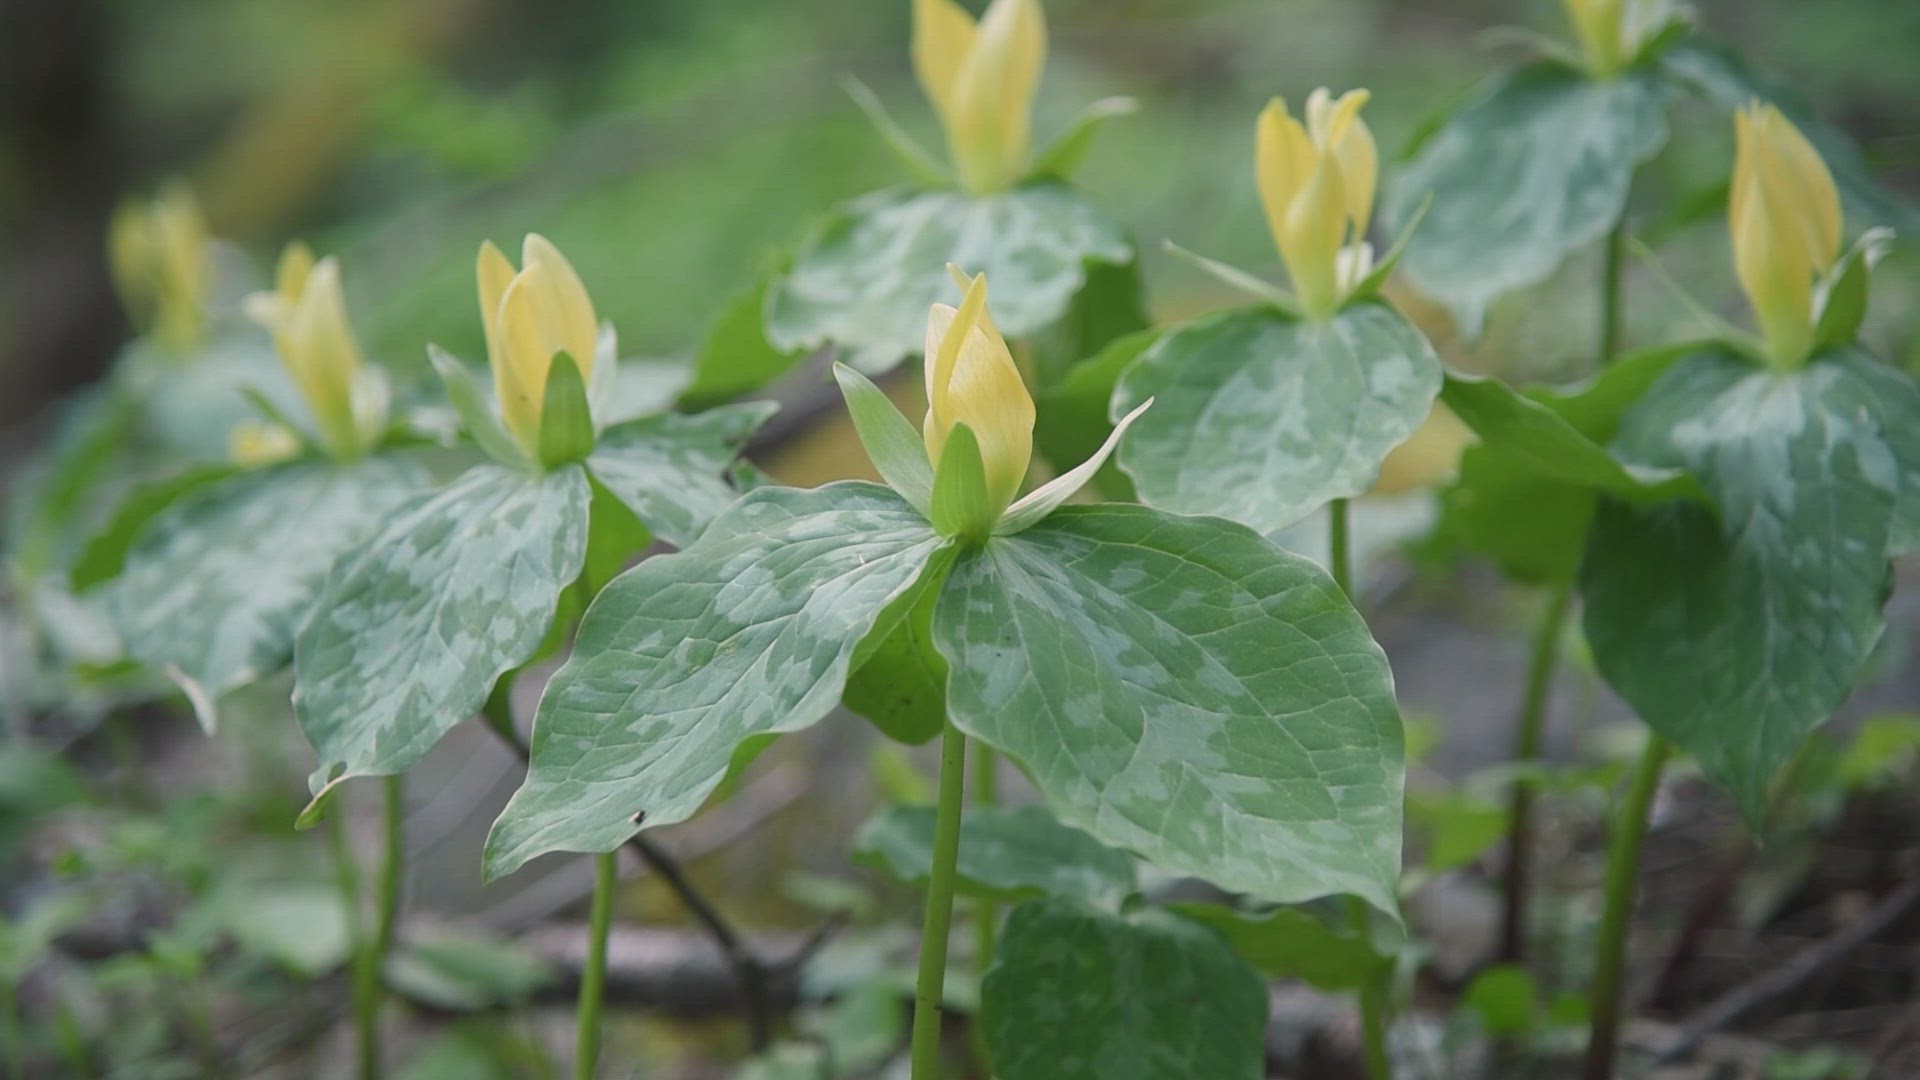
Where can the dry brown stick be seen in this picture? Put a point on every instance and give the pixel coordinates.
(1804, 965)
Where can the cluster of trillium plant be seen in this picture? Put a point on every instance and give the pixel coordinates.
(1175, 685)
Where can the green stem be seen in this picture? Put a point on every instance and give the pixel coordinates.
(1526, 748)
(986, 913)
(1340, 562)
(347, 875)
(1610, 282)
(372, 959)
(1616, 915)
(1375, 1010)
(929, 987)
(10, 1029)
(593, 979)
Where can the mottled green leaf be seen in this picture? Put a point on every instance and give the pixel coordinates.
(465, 972)
(1006, 853)
(1183, 688)
(1078, 994)
(1263, 418)
(865, 279)
(454, 591)
(1534, 168)
(105, 553)
(1733, 636)
(671, 469)
(1286, 943)
(216, 586)
(736, 357)
(302, 929)
(749, 631)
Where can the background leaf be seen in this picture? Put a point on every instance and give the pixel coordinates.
(736, 357)
(1006, 853)
(1183, 688)
(864, 280)
(1070, 417)
(1534, 168)
(216, 586)
(899, 679)
(671, 469)
(452, 592)
(1287, 943)
(748, 632)
(1263, 418)
(1077, 994)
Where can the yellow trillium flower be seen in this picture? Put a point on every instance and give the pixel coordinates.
(307, 315)
(981, 78)
(1612, 32)
(530, 315)
(158, 254)
(257, 443)
(1316, 183)
(1784, 213)
(972, 380)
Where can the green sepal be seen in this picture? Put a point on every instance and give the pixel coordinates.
(1841, 299)
(1235, 278)
(1060, 160)
(1369, 287)
(960, 504)
(897, 450)
(918, 161)
(566, 419)
(476, 416)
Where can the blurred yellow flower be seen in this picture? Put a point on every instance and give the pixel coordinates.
(981, 79)
(1784, 214)
(1612, 32)
(158, 254)
(972, 380)
(1429, 458)
(257, 443)
(1316, 185)
(530, 316)
(307, 315)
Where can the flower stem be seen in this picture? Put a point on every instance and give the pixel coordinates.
(371, 958)
(929, 987)
(1526, 748)
(1338, 559)
(347, 875)
(593, 980)
(1623, 870)
(986, 913)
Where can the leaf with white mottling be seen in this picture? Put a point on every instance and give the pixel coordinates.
(865, 279)
(750, 631)
(1264, 418)
(454, 591)
(1183, 688)
(1734, 637)
(1077, 994)
(216, 586)
(1535, 168)
(1006, 853)
(671, 469)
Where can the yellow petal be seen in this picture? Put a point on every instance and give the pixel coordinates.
(992, 97)
(988, 395)
(323, 357)
(520, 380)
(1312, 236)
(493, 273)
(1807, 185)
(1338, 129)
(1597, 24)
(296, 265)
(1283, 159)
(256, 443)
(966, 284)
(947, 330)
(565, 311)
(943, 35)
(130, 256)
